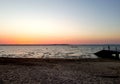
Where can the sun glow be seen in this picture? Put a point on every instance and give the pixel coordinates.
(59, 21)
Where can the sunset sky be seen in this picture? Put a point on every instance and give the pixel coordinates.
(59, 21)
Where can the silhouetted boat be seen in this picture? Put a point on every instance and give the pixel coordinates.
(108, 54)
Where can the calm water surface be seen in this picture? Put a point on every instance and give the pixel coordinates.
(68, 52)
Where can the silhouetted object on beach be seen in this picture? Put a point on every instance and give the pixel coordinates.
(108, 47)
(108, 54)
(114, 54)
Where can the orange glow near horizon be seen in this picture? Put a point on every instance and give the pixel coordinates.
(53, 40)
(59, 22)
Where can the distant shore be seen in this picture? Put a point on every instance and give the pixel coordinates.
(56, 44)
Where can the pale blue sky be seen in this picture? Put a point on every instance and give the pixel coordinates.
(89, 19)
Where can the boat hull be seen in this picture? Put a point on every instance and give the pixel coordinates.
(108, 54)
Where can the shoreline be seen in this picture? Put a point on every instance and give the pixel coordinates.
(6, 60)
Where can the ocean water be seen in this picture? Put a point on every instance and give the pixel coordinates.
(57, 51)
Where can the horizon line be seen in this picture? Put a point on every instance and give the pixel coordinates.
(55, 44)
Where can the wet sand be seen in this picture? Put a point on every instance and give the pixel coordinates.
(59, 71)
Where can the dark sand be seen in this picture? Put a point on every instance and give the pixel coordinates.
(59, 71)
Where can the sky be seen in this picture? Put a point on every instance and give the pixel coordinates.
(59, 21)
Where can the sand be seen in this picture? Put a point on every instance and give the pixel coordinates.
(59, 71)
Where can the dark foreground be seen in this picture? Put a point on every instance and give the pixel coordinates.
(59, 71)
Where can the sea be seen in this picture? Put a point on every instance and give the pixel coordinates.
(53, 51)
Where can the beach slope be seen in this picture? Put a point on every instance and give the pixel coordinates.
(59, 71)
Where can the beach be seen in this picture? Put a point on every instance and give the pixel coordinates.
(59, 41)
(59, 71)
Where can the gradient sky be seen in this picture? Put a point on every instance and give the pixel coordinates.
(59, 21)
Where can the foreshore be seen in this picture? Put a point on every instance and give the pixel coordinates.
(59, 71)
